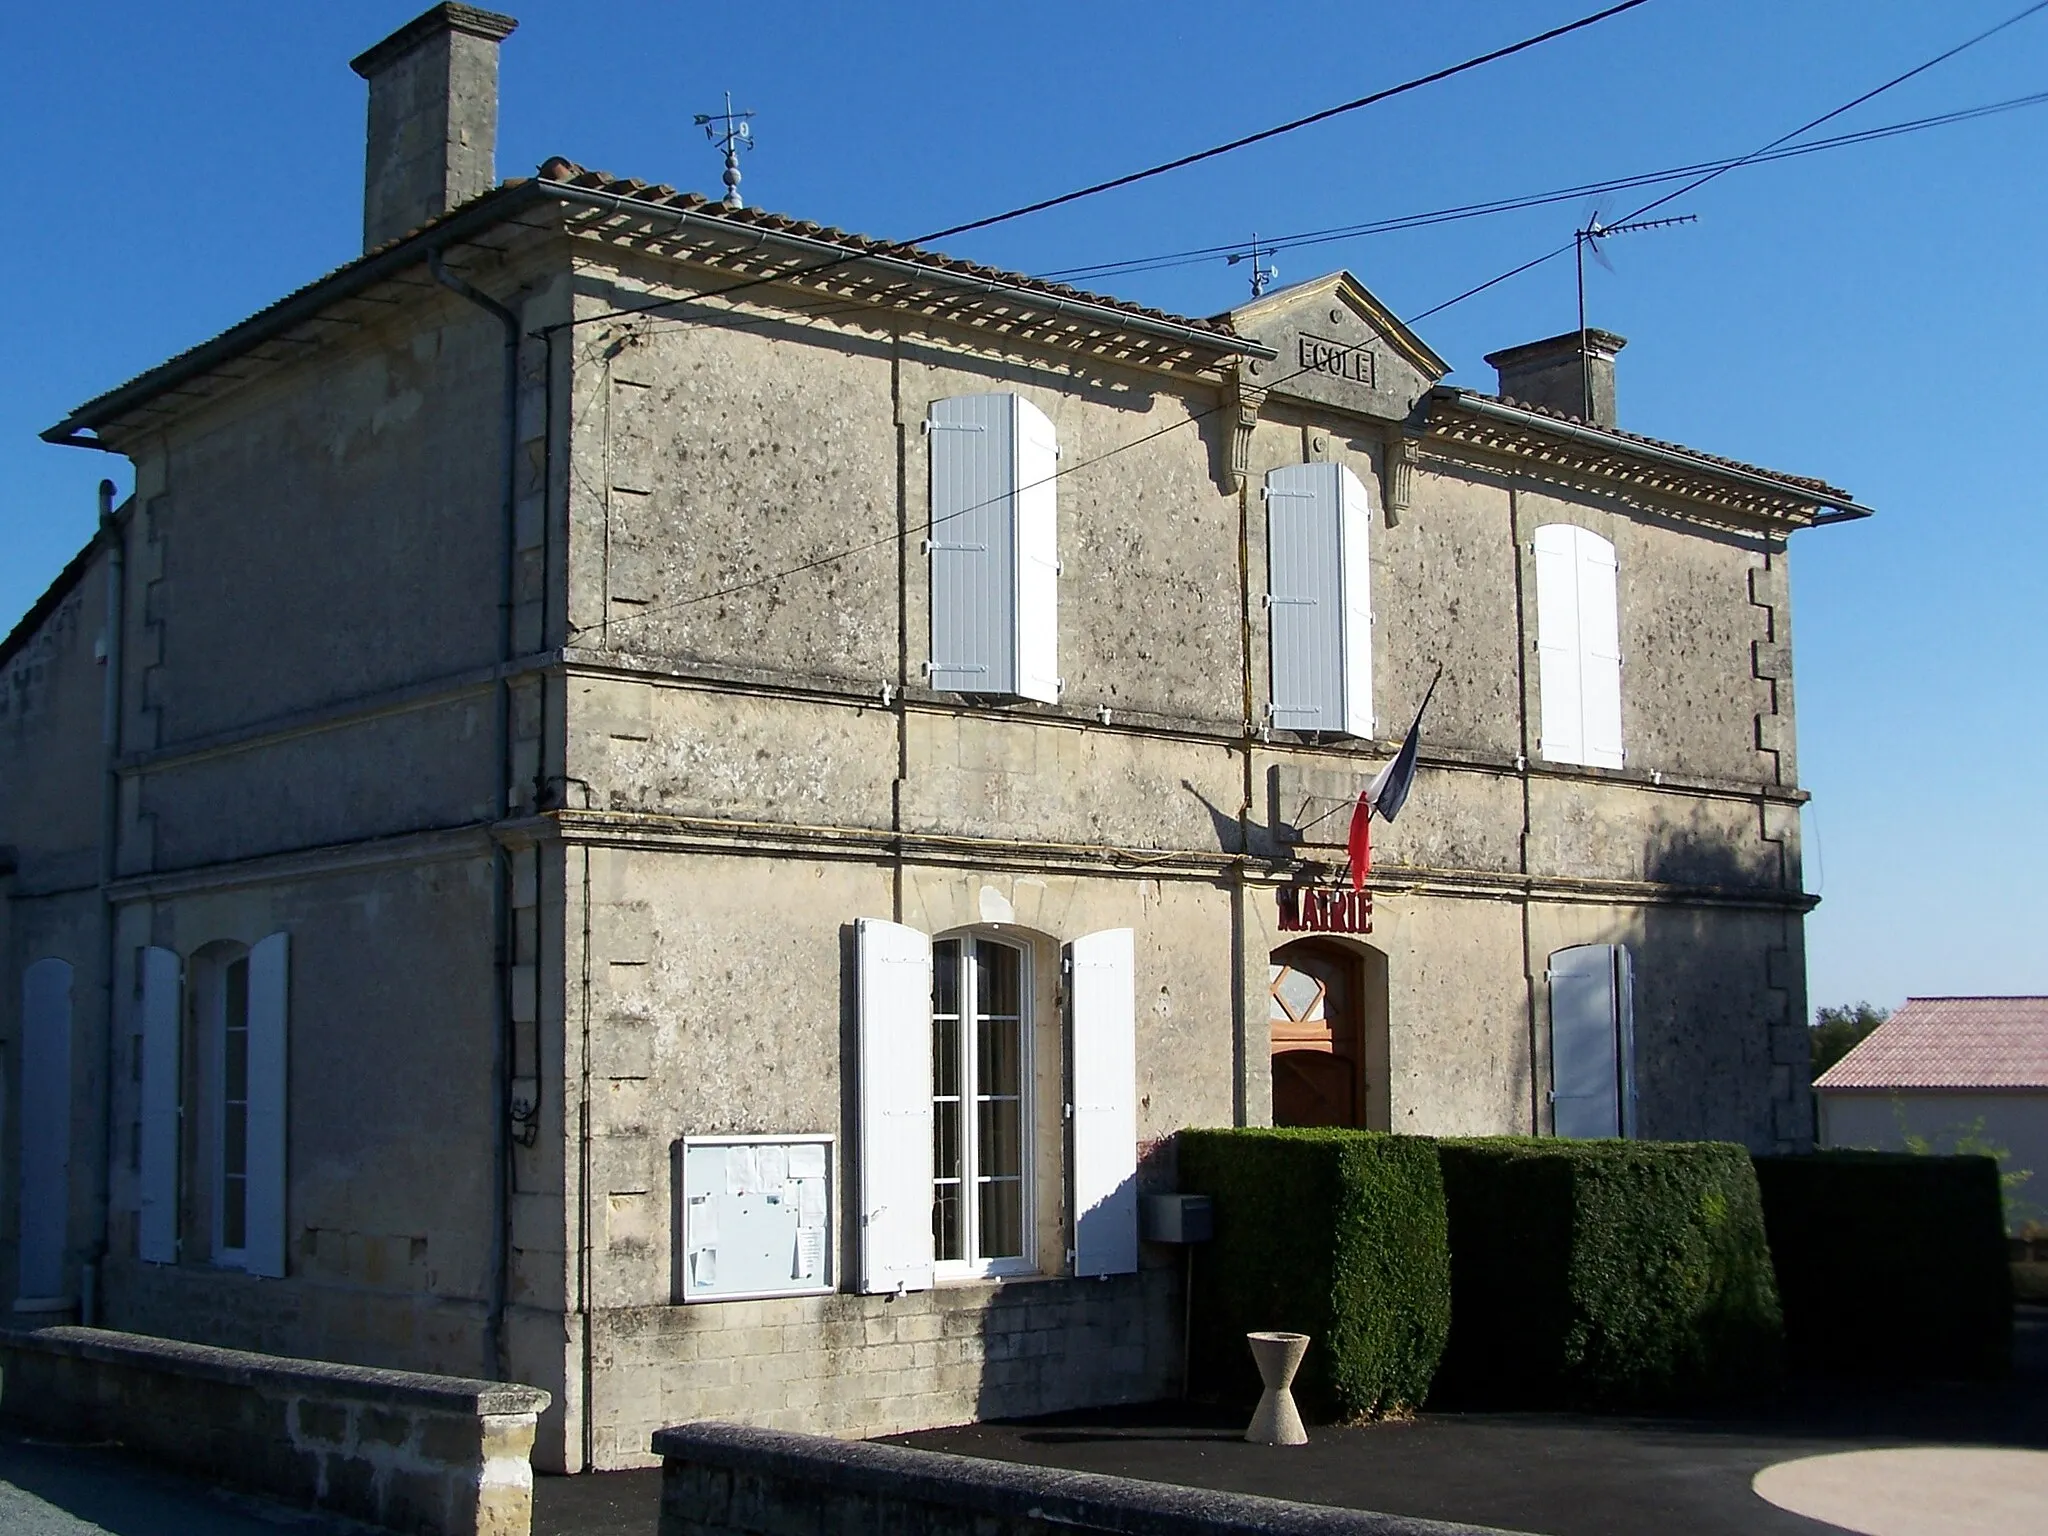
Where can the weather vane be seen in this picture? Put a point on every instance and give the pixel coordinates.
(731, 131)
(1262, 274)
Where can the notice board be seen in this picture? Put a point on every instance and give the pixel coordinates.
(755, 1217)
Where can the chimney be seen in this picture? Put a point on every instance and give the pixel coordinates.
(1558, 376)
(433, 135)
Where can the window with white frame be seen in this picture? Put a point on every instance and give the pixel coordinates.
(1319, 600)
(214, 1102)
(981, 1107)
(1578, 646)
(949, 1181)
(993, 544)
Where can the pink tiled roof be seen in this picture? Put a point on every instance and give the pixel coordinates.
(1951, 1042)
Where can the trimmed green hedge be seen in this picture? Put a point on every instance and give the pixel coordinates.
(1606, 1274)
(1336, 1234)
(1890, 1263)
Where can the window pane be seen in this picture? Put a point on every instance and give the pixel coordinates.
(945, 1058)
(234, 1214)
(234, 1129)
(1002, 1219)
(997, 979)
(235, 1066)
(999, 1057)
(946, 1139)
(947, 1242)
(1001, 1150)
(946, 978)
(235, 1002)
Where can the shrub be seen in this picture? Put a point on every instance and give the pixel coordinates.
(1605, 1273)
(1890, 1263)
(1336, 1234)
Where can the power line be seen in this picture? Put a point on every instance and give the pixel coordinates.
(1459, 212)
(1273, 133)
(1123, 181)
(733, 589)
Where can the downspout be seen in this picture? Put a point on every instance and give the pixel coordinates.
(501, 896)
(89, 1279)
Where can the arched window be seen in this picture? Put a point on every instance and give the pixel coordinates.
(981, 1106)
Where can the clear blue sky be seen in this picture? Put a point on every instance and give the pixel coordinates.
(1874, 316)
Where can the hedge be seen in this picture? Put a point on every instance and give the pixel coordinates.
(1890, 1263)
(1333, 1233)
(1606, 1274)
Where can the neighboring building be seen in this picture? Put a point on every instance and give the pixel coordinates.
(1952, 1074)
(604, 672)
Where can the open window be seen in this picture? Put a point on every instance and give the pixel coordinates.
(1578, 646)
(994, 548)
(1592, 1041)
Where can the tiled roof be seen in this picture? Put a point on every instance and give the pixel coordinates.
(1951, 1042)
(1821, 487)
(567, 173)
(1009, 304)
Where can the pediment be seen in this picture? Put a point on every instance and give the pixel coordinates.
(1338, 346)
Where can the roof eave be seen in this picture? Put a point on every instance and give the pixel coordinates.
(1831, 505)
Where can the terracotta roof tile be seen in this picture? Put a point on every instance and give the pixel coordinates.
(1657, 442)
(1951, 1042)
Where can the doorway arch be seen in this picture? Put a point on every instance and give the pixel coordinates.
(1327, 1015)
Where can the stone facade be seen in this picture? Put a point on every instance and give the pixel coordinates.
(567, 730)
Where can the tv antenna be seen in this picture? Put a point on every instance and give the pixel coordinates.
(1262, 274)
(732, 132)
(1588, 239)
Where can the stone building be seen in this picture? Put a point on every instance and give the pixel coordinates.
(676, 804)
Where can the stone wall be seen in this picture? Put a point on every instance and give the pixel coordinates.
(432, 1454)
(722, 1480)
(868, 1365)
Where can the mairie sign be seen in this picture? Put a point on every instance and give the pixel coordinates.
(1324, 909)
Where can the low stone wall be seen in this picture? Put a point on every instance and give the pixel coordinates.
(436, 1455)
(854, 1365)
(728, 1480)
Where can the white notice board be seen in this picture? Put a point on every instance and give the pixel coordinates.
(756, 1217)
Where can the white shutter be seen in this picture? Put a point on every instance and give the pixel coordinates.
(162, 1016)
(45, 1127)
(1354, 532)
(1038, 553)
(1557, 643)
(269, 1029)
(895, 1106)
(1102, 989)
(973, 543)
(1585, 1066)
(1305, 596)
(1599, 650)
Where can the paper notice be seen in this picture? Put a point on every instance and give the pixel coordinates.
(807, 1160)
(703, 1223)
(704, 1268)
(742, 1171)
(810, 1202)
(810, 1252)
(773, 1163)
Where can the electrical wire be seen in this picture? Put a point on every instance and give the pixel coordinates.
(1401, 222)
(891, 537)
(1300, 122)
(1135, 176)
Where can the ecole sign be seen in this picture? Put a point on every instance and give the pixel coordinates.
(1324, 909)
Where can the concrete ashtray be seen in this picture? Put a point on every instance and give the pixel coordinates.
(1278, 1356)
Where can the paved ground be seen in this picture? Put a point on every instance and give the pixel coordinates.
(52, 1489)
(1559, 1474)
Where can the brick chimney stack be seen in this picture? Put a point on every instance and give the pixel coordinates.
(433, 134)
(1551, 374)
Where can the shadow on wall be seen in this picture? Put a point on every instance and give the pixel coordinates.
(1720, 993)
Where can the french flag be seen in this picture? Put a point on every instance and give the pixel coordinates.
(1387, 793)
